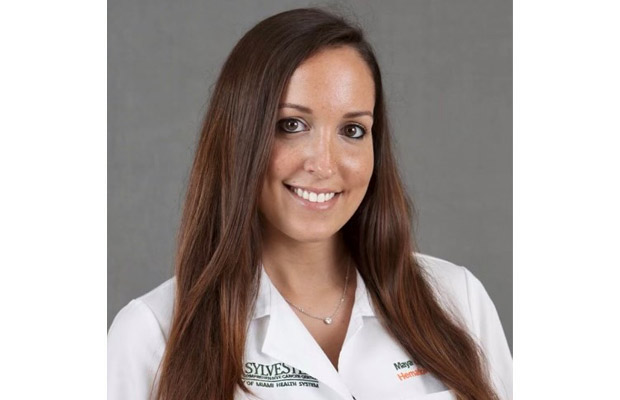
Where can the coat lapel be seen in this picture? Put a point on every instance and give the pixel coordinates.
(289, 341)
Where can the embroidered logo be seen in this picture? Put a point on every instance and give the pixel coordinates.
(276, 375)
(402, 375)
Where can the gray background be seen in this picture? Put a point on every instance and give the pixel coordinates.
(447, 67)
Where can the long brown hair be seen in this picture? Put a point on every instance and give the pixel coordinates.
(219, 243)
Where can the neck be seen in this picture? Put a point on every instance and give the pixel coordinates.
(299, 269)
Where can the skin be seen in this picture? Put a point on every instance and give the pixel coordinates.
(303, 252)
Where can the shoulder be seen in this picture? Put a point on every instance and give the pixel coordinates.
(160, 302)
(450, 283)
(136, 342)
(444, 275)
(460, 292)
(466, 298)
(457, 289)
(149, 310)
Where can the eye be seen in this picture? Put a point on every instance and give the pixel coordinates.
(291, 125)
(354, 131)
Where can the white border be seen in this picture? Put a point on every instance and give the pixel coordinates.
(53, 202)
(566, 200)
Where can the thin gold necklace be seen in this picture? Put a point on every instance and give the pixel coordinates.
(329, 319)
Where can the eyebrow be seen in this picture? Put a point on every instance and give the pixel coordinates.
(307, 110)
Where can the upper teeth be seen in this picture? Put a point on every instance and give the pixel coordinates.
(313, 197)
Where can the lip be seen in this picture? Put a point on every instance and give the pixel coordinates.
(326, 205)
(312, 189)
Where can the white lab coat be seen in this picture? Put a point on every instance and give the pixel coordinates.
(283, 361)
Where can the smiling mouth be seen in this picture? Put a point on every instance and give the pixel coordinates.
(310, 196)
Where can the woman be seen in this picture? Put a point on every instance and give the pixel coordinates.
(296, 275)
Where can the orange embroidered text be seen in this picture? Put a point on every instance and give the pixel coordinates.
(411, 374)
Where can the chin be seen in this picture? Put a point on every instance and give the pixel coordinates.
(310, 235)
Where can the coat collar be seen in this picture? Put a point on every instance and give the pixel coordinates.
(287, 339)
(266, 291)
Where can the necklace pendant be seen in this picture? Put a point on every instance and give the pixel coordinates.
(327, 320)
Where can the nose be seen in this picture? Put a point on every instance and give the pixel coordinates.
(320, 160)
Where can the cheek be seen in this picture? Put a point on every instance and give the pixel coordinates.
(360, 166)
(281, 163)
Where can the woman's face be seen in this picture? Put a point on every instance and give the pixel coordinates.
(322, 158)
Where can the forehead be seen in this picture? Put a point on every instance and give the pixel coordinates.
(333, 79)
